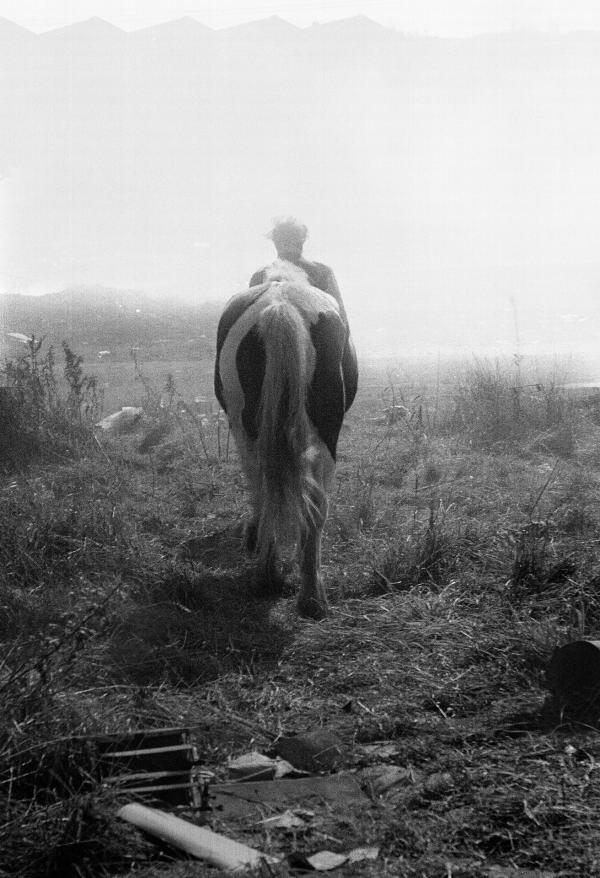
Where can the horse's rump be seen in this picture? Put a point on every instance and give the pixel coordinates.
(280, 376)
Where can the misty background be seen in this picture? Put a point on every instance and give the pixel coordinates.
(453, 184)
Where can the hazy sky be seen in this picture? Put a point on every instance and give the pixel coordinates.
(436, 174)
(441, 17)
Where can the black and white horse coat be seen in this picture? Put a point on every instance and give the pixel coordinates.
(286, 374)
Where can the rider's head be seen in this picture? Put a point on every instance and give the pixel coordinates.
(289, 236)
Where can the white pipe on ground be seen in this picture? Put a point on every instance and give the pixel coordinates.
(195, 840)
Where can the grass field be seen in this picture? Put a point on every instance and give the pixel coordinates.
(462, 547)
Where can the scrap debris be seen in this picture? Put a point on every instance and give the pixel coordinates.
(325, 861)
(218, 850)
(123, 421)
(264, 791)
(248, 800)
(319, 750)
(195, 840)
(257, 766)
(157, 764)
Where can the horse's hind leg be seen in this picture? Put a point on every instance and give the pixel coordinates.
(250, 470)
(312, 600)
(268, 576)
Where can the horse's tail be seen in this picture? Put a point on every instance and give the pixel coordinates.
(285, 484)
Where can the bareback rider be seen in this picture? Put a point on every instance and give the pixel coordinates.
(288, 236)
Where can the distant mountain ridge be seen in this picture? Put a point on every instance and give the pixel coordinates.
(98, 319)
(102, 37)
(359, 25)
(355, 31)
(96, 25)
(94, 319)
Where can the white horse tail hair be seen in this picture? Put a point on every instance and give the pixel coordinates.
(286, 486)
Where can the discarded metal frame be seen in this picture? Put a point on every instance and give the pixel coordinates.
(158, 764)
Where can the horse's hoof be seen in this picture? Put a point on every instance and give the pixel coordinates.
(311, 608)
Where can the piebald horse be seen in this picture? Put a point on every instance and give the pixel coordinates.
(285, 374)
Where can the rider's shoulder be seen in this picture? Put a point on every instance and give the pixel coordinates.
(318, 269)
(320, 265)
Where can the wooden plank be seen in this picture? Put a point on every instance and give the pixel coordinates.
(253, 799)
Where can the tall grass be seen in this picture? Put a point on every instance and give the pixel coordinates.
(44, 414)
(494, 402)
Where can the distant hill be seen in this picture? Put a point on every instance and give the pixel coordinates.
(94, 319)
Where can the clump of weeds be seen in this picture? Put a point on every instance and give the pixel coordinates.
(43, 416)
